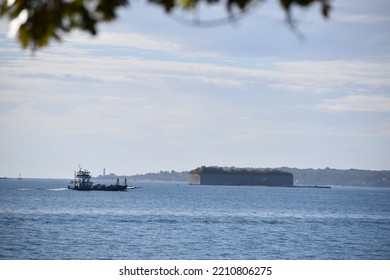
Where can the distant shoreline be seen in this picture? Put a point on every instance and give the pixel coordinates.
(308, 176)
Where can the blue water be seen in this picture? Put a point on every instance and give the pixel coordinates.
(41, 219)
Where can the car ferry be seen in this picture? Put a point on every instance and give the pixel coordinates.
(82, 182)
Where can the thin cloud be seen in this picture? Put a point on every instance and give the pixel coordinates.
(365, 18)
(297, 76)
(358, 103)
(135, 40)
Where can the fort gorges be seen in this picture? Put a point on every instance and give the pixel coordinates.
(240, 176)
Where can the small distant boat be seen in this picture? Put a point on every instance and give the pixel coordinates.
(20, 177)
(81, 182)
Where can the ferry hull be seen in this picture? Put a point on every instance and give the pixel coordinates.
(98, 188)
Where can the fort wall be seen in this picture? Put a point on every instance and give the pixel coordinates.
(227, 177)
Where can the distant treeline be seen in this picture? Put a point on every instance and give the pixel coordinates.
(160, 176)
(327, 176)
(338, 177)
(237, 170)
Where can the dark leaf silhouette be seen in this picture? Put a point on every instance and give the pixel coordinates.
(40, 21)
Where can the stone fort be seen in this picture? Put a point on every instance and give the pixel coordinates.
(240, 176)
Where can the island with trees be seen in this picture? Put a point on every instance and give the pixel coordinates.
(240, 176)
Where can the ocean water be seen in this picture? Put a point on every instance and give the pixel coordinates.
(42, 219)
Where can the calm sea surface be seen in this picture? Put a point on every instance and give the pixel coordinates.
(42, 219)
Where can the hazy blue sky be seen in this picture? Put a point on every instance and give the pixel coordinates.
(151, 94)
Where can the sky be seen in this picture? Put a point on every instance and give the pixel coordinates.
(154, 92)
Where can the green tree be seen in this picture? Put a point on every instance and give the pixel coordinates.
(37, 22)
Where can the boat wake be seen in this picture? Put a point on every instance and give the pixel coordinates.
(59, 189)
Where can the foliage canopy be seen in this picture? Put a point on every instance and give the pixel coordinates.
(37, 22)
(237, 170)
